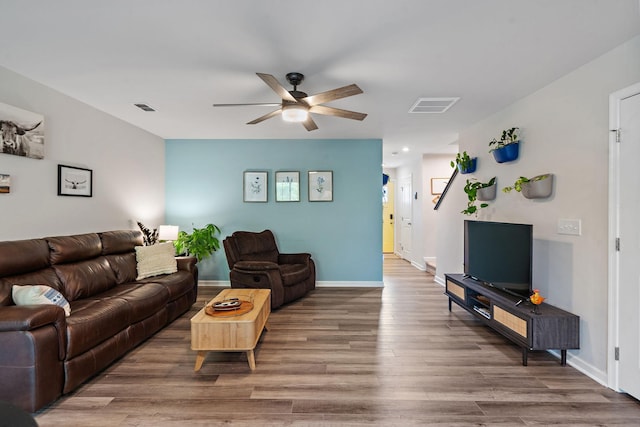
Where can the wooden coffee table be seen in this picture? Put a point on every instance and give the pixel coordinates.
(230, 331)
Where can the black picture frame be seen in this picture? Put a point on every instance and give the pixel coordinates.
(74, 181)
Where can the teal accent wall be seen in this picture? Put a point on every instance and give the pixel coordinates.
(204, 184)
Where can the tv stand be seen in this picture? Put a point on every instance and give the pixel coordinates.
(553, 328)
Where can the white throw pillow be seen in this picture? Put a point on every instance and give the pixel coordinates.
(156, 259)
(39, 294)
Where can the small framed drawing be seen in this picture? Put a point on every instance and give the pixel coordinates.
(438, 185)
(5, 183)
(74, 181)
(287, 186)
(255, 186)
(320, 186)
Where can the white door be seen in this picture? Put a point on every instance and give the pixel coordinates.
(405, 211)
(629, 254)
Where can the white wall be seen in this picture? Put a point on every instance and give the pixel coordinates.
(433, 166)
(413, 168)
(127, 164)
(565, 132)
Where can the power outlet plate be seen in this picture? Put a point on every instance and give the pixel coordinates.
(572, 227)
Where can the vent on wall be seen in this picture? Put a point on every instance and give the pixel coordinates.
(433, 105)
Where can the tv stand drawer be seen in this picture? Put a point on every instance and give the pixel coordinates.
(510, 321)
(455, 289)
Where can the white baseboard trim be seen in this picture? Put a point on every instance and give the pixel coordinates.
(319, 284)
(419, 266)
(223, 283)
(358, 284)
(589, 370)
(439, 280)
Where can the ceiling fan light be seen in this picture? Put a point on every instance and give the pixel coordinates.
(294, 113)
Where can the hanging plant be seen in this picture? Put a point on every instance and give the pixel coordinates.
(537, 187)
(472, 187)
(464, 163)
(507, 148)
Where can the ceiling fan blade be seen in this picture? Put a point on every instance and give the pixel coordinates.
(265, 117)
(332, 95)
(337, 112)
(309, 124)
(273, 83)
(257, 104)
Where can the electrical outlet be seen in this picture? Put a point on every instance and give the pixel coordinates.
(571, 227)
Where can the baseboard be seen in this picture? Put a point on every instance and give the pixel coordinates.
(439, 280)
(418, 266)
(358, 284)
(319, 284)
(591, 371)
(218, 283)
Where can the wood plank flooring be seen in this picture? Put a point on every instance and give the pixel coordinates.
(391, 356)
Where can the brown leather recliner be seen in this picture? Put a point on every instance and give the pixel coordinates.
(255, 262)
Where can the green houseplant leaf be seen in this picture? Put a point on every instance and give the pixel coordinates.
(201, 243)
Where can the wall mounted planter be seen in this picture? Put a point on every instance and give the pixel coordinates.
(471, 168)
(538, 188)
(487, 193)
(508, 153)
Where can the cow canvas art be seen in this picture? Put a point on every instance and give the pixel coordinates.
(21, 132)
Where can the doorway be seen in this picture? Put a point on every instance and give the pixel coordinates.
(388, 206)
(405, 211)
(624, 248)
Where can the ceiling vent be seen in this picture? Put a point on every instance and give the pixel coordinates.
(144, 107)
(433, 105)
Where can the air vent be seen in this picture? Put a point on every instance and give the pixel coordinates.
(433, 105)
(144, 107)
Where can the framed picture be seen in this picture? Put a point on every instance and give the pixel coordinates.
(320, 186)
(5, 183)
(438, 185)
(255, 186)
(22, 132)
(287, 186)
(73, 181)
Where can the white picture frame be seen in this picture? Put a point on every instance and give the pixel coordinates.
(320, 186)
(255, 186)
(287, 186)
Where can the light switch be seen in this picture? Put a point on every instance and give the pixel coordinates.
(572, 227)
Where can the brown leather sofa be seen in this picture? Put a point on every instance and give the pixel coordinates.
(44, 354)
(255, 262)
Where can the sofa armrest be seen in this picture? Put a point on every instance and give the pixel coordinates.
(302, 258)
(186, 263)
(30, 317)
(255, 266)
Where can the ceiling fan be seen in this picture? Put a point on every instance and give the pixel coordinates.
(296, 105)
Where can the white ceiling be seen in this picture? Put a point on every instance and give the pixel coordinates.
(182, 56)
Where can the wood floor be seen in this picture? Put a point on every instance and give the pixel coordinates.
(391, 356)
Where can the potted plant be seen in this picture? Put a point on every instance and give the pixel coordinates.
(481, 191)
(464, 163)
(537, 187)
(507, 148)
(201, 243)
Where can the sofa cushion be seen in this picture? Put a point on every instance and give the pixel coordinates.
(256, 246)
(39, 294)
(123, 266)
(293, 273)
(22, 256)
(177, 284)
(155, 260)
(74, 248)
(120, 241)
(94, 320)
(144, 299)
(85, 278)
(46, 276)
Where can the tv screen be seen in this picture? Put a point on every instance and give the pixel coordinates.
(499, 254)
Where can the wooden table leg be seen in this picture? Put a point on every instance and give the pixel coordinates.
(200, 359)
(252, 360)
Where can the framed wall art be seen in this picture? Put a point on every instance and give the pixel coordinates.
(438, 185)
(287, 186)
(255, 186)
(5, 183)
(22, 132)
(73, 181)
(320, 186)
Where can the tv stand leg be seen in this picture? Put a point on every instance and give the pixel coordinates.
(563, 357)
(449, 304)
(525, 356)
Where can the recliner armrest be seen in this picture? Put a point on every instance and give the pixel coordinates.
(255, 265)
(30, 317)
(301, 258)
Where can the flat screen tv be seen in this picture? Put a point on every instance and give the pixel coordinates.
(500, 255)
